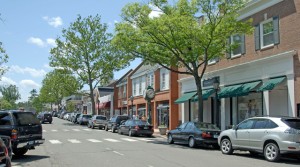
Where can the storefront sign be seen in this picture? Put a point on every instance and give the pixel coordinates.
(210, 81)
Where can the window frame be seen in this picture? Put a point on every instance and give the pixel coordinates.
(232, 55)
(261, 37)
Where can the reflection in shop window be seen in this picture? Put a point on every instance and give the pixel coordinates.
(249, 106)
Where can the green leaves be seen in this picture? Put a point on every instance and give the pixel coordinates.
(10, 93)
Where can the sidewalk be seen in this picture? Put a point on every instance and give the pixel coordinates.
(157, 134)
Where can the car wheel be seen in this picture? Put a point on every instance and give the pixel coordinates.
(192, 142)
(271, 152)
(106, 129)
(20, 151)
(170, 139)
(50, 122)
(226, 146)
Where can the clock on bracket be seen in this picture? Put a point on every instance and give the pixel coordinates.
(149, 94)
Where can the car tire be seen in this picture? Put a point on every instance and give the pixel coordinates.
(20, 151)
(272, 152)
(50, 122)
(226, 146)
(192, 142)
(170, 139)
(106, 128)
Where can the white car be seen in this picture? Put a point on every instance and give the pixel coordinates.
(272, 136)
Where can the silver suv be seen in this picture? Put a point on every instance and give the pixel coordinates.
(271, 136)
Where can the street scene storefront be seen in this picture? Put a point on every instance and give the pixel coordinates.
(253, 89)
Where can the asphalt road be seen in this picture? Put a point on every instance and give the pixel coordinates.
(70, 145)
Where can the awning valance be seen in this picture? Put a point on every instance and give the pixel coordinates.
(205, 94)
(104, 105)
(270, 84)
(185, 97)
(238, 90)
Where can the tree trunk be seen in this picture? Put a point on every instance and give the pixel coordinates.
(92, 97)
(200, 99)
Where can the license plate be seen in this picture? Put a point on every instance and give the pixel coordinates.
(216, 136)
(146, 127)
(31, 142)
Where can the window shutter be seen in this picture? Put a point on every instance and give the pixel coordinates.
(243, 45)
(257, 37)
(228, 53)
(276, 29)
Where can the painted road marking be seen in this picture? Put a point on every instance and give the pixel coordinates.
(44, 131)
(118, 153)
(94, 140)
(74, 141)
(66, 130)
(127, 139)
(77, 130)
(112, 140)
(55, 142)
(144, 139)
(54, 130)
(87, 129)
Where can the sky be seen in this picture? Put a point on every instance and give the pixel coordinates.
(29, 28)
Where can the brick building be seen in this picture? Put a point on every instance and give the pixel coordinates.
(261, 76)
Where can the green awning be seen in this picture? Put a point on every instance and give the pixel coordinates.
(185, 97)
(246, 88)
(205, 94)
(230, 91)
(270, 84)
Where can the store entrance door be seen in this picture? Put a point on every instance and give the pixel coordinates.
(163, 115)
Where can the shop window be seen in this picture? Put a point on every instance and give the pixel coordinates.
(124, 91)
(249, 106)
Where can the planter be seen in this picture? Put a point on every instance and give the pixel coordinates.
(162, 130)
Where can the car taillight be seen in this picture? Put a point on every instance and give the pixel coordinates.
(206, 135)
(137, 127)
(14, 134)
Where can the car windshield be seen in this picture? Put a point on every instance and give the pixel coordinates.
(293, 123)
(206, 126)
(101, 118)
(141, 122)
(25, 118)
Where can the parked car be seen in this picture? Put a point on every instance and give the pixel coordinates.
(66, 116)
(5, 151)
(54, 113)
(114, 122)
(272, 136)
(194, 134)
(135, 128)
(83, 119)
(24, 129)
(45, 117)
(75, 117)
(97, 121)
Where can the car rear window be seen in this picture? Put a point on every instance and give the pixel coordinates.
(140, 122)
(5, 119)
(206, 126)
(47, 115)
(293, 123)
(25, 118)
(101, 118)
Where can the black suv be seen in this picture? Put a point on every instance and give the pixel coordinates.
(45, 117)
(24, 129)
(114, 122)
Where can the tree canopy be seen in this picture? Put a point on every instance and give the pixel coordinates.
(58, 84)
(179, 38)
(10, 93)
(85, 49)
(3, 58)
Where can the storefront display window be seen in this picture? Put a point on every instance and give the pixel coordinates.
(249, 106)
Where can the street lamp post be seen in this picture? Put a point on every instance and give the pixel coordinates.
(216, 84)
(131, 99)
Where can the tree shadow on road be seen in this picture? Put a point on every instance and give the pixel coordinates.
(19, 160)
